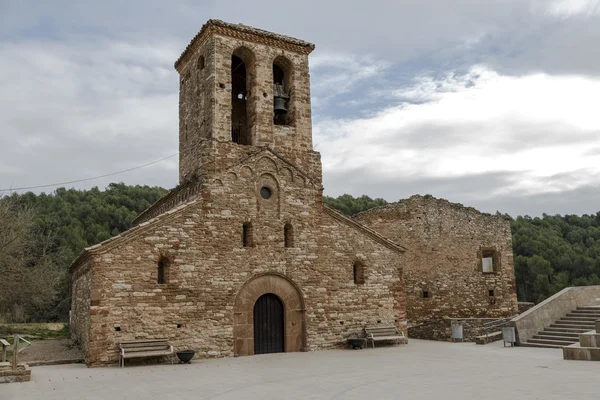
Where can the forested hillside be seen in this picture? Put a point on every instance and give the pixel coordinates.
(40, 235)
(554, 252)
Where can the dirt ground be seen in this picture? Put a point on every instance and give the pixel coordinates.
(50, 350)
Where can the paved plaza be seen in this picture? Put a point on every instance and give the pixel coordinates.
(420, 370)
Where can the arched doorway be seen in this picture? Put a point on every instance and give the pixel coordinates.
(287, 300)
(269, 331)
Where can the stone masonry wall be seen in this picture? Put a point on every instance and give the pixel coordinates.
(441, 329)
(208, 266)
(79, 323)
(205, 103)
(445, 243)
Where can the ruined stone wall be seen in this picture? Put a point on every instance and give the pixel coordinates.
(79, 324)
(208, 266)
(445, 243)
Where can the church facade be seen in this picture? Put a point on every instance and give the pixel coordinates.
(242, 257)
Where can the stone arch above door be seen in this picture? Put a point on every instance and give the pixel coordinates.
(294, 312)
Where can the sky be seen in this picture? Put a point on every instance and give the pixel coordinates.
(494, 104)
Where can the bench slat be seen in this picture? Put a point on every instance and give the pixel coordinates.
(144, 341)
(131, 346)
(147, 348)
(148, 354)
(378, 338)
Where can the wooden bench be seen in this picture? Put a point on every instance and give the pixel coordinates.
(384, 333)
(145, 348)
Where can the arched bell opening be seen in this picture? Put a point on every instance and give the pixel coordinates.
(242, 72)
(283, 106)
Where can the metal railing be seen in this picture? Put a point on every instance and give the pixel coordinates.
(495, 324)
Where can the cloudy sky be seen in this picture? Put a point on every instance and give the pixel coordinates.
(494, 104)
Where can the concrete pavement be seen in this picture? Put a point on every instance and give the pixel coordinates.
(420, 370)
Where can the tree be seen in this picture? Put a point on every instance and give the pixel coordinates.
(30, 274)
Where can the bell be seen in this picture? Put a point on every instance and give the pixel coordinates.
(280, 106)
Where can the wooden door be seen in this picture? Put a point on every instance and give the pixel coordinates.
(268, 325)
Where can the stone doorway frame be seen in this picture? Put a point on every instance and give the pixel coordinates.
(294, 312)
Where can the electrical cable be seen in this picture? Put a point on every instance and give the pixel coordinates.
(88, 179)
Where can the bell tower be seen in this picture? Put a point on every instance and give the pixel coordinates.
(243, 89)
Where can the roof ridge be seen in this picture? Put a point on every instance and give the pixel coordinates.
(374, 235)
(113, 241)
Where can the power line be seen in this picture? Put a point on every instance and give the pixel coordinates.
(88, 179)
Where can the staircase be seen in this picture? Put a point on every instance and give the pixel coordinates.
(566, 330)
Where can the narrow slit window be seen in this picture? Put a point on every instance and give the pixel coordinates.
(425, 294)
(359, 273)
(247, 235)
(162, 271)
(288, 235)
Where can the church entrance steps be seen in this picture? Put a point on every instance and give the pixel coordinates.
(566, 330)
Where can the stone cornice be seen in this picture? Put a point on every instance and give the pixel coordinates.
(179, 195)
(242, 32)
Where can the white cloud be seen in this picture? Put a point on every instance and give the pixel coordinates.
(537, 127)
(337, 74)
(568, 8)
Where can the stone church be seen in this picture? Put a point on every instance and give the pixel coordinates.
(243, 257)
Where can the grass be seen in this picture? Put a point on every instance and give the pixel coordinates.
(40, 331)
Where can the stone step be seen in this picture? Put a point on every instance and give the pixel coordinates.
(576, 352)
(582, 315)
(574, 336)
(574, 328)
(583, 324)
(557, 342)
(564, 329)
(547, 346)
(586, 312)
(583, 319)
(556, 338)
(597, 308)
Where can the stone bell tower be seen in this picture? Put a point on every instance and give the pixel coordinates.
(241, 90)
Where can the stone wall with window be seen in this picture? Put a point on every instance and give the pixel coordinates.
(459, 262)
(207, 257)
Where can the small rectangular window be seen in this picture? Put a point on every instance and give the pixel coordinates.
(491, 293)
(425, 294)
(488, 264)
(489, 261)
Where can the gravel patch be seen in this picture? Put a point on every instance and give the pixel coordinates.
(51, 350)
